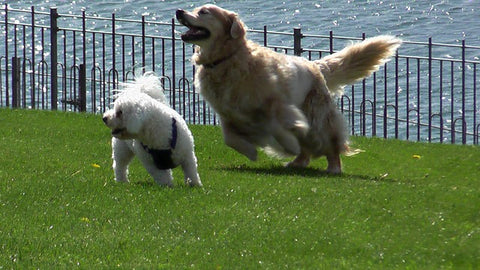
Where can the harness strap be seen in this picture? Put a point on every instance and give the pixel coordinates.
(173, 141)
(163, 158)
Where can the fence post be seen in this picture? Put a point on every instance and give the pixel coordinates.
(7, 98)
(53, 57)
(143, 45)
(364, 97)
(475, 134)
(331, 42)
(82, 88)
(297, 41)
(464, 126)
(172, 97)
(265, 40)
(430, 45)
(114, 62)
(82, 83)
(15, 82)
(33, 100)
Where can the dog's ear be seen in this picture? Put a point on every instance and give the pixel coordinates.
(133, 118)
(133, 125)
(237, 30)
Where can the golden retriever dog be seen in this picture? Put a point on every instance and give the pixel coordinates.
(283, 104)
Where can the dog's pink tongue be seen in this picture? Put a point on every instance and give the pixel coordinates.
(195, 31)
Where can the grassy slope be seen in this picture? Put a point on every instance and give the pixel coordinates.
(388, 210)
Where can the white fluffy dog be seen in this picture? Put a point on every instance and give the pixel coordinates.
(144, 126)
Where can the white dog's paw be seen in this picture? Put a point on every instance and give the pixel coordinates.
(121, 180)
(162, 177)
(121, 176)
(164, 183)
(195, 182)
(190, 172)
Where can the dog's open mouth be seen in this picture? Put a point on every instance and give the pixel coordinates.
(118, 131)
(194, 33)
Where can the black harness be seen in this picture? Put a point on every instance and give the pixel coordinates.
(163, 158)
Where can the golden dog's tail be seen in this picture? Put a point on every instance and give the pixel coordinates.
(356, 61)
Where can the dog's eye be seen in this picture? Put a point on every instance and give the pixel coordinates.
(203, 11)
(119, 114)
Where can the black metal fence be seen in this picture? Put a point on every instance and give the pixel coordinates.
(428, 92)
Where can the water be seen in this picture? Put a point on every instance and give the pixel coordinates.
(446, 21)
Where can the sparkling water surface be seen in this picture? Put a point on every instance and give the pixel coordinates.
(445, 21)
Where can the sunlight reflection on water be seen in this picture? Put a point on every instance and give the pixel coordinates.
(446, 21)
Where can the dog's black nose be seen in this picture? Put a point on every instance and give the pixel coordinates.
(179, 14)
(105, 119)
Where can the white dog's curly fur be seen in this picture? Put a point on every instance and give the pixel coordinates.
(144, 126)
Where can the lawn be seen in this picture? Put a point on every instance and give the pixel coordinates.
(397, 205)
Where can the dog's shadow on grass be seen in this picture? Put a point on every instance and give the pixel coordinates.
(146, 183)
(280, 170)
(310, 172)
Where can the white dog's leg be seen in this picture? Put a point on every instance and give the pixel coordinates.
(189, 167)
(161, 177)
(122, 156)
(238, 143)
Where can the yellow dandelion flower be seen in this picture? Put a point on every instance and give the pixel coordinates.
(85, 219)
(416, 156)
(95, 165)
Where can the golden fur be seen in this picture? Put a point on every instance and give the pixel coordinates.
(281, 103)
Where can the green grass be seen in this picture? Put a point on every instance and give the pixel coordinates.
(60, 208)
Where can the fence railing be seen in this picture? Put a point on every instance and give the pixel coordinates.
(428, 92)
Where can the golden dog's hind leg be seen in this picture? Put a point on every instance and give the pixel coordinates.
(301, 161)
(334, 164)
